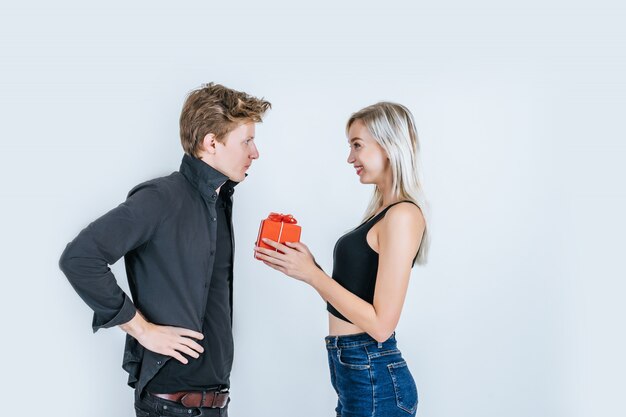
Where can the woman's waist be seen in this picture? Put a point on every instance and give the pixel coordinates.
(358, 340)
(352, 336)
(339, 327)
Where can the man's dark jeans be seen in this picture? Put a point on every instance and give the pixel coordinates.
(150, 406)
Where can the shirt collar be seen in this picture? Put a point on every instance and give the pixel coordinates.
(204, 177)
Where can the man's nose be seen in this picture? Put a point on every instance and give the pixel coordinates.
(255, 153)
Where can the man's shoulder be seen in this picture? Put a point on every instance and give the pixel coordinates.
(167, 186)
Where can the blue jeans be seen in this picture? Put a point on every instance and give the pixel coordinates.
(371, 379)
(151, 406)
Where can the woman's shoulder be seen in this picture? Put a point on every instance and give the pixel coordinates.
(404, 215)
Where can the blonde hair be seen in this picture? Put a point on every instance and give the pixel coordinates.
(393, 127)
(216, 109)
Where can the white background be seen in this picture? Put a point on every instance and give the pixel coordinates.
(520, 311)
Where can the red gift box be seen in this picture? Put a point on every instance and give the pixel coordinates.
(279, 228)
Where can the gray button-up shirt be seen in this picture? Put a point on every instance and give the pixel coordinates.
(167, 232)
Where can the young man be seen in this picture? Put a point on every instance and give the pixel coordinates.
(176, 236)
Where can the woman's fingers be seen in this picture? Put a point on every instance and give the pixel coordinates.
(271, 253)
(270, 259)
(278, 268)
(299, 246)
(279, 246)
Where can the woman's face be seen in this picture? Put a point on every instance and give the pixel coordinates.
(366, 155)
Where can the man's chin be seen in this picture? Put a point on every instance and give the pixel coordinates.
(238, 178)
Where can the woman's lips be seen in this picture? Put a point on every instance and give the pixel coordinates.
(359, 170)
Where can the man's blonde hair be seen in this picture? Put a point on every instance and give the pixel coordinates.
(216, 109)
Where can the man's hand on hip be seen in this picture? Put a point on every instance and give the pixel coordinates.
(166, 340)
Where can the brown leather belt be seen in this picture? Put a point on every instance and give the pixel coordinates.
(211, 399)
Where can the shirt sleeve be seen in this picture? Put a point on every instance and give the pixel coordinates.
(86, 259)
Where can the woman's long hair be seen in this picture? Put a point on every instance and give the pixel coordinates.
(393, 127)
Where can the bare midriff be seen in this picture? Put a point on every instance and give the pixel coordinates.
(338, 327)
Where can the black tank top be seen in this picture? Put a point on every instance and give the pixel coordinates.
(355, 263)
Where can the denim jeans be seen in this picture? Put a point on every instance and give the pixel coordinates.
(151, 406)
(371, 379)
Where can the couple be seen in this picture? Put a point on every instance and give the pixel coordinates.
(176, 236)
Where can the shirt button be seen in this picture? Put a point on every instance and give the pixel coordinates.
(159, 362)
(214, 196)
(213, 218)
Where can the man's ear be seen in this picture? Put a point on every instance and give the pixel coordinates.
(208, 143)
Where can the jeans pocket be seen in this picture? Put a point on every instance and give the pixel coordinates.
(404, 386)
(353, 358)
(384, 355)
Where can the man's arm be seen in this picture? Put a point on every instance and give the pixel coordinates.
(86, 261)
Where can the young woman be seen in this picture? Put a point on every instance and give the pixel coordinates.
(372, 265)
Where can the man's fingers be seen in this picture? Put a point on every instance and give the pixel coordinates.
(180, 358)
(190, 333)
(171, 341)
(188, 351)
(192, 344)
